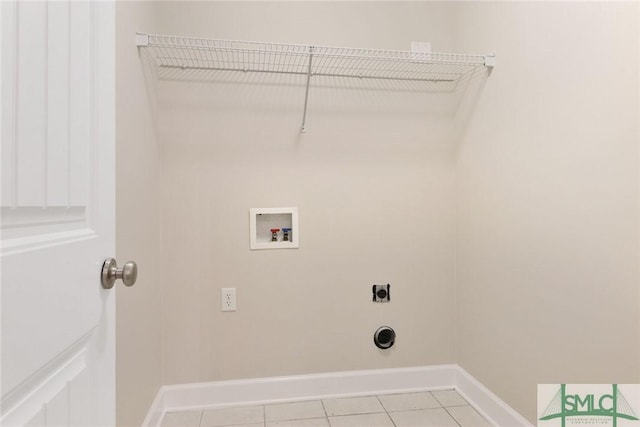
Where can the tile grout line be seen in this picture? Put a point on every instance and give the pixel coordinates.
(447, 410)
(326, 415)
(378, 399)
(436, 398)
(385, 411)
(452, 417)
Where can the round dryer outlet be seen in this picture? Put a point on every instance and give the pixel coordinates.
(384, 337)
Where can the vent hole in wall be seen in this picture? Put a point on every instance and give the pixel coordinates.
(384, 337)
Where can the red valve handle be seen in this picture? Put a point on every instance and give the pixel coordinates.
(275, 230)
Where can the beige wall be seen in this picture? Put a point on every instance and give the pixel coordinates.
(547, 222)
(373, 180)
(512, 251)
(138, 309)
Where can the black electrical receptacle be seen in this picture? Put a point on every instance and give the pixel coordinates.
(381, 293)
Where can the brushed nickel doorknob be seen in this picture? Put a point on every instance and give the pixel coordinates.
(110, 273)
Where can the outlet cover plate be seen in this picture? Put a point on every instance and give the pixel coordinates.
(228, 299)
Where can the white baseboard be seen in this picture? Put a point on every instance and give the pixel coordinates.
(330, 385)
(487, 403)
(156, 410)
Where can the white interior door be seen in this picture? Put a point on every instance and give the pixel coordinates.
(58, 176)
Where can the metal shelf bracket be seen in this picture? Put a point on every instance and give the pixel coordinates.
(490, 60)
(142, 40)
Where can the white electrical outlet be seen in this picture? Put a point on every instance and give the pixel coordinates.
(228, 297)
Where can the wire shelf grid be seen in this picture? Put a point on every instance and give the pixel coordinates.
(443, 71)
(234, 55)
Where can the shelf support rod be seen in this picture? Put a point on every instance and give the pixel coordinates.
(306, 94)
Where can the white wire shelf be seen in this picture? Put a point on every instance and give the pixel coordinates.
(189, 53)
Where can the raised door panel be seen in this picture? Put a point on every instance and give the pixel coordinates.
(57, 225)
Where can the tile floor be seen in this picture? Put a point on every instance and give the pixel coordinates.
(425, 409)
